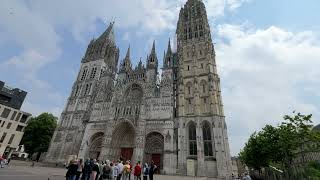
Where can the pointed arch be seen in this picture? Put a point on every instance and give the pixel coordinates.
(207, 139)
(192, 138)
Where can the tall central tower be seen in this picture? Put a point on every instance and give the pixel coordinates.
(203, 147)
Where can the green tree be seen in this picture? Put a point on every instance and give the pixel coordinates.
(280, 145)
(38, 133)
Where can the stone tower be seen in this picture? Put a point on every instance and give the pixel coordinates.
(203, 147)
(97, 73)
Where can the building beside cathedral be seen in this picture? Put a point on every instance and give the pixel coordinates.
(124, 111)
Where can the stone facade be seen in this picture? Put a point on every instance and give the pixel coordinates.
(176, 120)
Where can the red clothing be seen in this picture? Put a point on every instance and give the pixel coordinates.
(137, 170)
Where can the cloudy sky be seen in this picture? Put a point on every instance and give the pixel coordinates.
(268, 52)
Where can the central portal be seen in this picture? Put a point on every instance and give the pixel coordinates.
(123, 141)
(126, 153)
(154, 150)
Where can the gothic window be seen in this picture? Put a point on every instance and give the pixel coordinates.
(188, 68)
(201, 33)
(200, 26)
(84, 74)
(207, 140)
(204, 88)
(192, 139)
(93, 72)
(189, 90)
(196, 34)
(190, 35)
(201, 65)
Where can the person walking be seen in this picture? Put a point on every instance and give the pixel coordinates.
(120, 166)
(137, 171)
(87, 170)
(95, 170)
(126, 171)
(80, 168)
(72, 170)
(152, 170)
(145, 171)
(115, 171)
(106, 171)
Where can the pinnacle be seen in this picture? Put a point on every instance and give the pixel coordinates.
(128, 52)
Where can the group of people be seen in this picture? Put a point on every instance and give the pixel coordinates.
(92, 169)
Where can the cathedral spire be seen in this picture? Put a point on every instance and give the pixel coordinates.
(126, 64)
(152, 60)
(168, 57)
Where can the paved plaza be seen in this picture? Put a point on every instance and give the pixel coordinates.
(20, 170)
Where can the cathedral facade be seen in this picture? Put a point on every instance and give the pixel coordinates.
(176, 120)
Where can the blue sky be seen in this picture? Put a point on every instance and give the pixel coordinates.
(268, 52)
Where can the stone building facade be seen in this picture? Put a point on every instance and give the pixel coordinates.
(176, 119)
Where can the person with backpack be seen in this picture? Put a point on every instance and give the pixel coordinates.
(87, 170)
(106, 171)
(115, 171)
(72, 170)
(145, 171)
(126, 171)
(137, 171)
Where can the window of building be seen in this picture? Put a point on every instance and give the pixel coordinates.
(3, 137)
(204, 88)
(189, 90)
(5, 113)
(9, 125)
(11, 139)
(18, 117)
(188, 68)
(201, 65)
(207, 140)
(24, 118)
(93, 72)
(20, 128)
(13, 115)
(84, 74)
(3, 123)
(192, 139)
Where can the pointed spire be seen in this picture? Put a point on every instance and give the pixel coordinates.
(128, 53)
(169, 50)
(152, 60)
(153, 50)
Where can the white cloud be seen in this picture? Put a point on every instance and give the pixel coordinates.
(265, 74)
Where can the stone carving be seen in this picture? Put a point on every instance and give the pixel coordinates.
(69, 137)
(168, 137)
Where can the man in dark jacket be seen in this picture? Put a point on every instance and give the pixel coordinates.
(87, 169)
(72, 170)
(152, 170)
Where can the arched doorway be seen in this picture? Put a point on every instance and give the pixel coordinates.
(153, 150)
(123, 141)
(95, 145)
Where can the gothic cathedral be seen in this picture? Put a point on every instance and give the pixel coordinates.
(176, 120)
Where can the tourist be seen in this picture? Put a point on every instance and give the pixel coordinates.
(120, 166)
(145, 171)
(72, 170)
(137, 171)
(246, 176)
(80, 168)
(130, 169)
(115, 171)
(106, 171)
(1, 161)
(152, 170)
(100, 167)
(87, 169)
(95, 170)
(126, 171)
